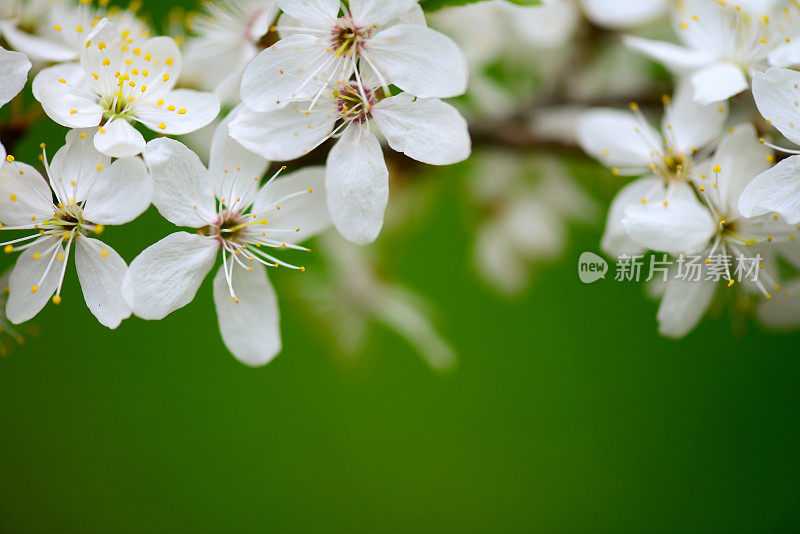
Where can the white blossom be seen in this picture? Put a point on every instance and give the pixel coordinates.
(119, 82)
(723, 43)
(706, 221)
(55, 30)
(325, 48)
(354, 293)
(234, 218)
(529, 206)
(223, 42)
(667, 159)
(84, 192)
(357, 180)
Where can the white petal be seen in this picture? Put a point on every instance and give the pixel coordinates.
(166, 276)
(786, 55)
(684, 225)
(250, 327)
(358, 185)
(122, 192)
(101, 271)
(425, 129)
(232, 167)
(311, 12)
(75, 80)
(419, 60)
(379, 12)
(14, 69)
(675, 57)
(718, 81)
(308, 212)
(616, 240)
(741, 158)
(183, 111)
(75, 165)
(691, 126)
(24, 303)
(291, 69)
(683, 305)
(36, 48)
(24, 195)
(618, 138)
(775, 190)
(183, 191)
(616, 14)
(119, 139)
(286, 133)
(775, 95)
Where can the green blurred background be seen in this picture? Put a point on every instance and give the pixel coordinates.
(566, 412)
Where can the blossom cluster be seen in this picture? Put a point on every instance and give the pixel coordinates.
(706, 181)
(347, 71)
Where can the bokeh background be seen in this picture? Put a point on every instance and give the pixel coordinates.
(566, 412)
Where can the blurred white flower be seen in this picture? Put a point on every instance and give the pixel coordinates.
(351, 294)
(118, 83)
(709, 223)
(234, 218)
(90, 192)
(622, 14)
(357, 182)
(55, 31)
(627, 143)
(327, 48)
(724, 43)
(776, 95)
(528, 217)
(223, 42)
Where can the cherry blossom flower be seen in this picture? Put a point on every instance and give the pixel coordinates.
(357, 182)
(48, 31)
(725, 42)
(224, 41)
(353, 293)
(118, 83)
(618, 14)
(234, 218)
(90, 193)
(667, 159)
(325, 48)
(709, 223)
(529, 205)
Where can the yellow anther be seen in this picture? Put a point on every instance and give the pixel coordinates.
(56, 300)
